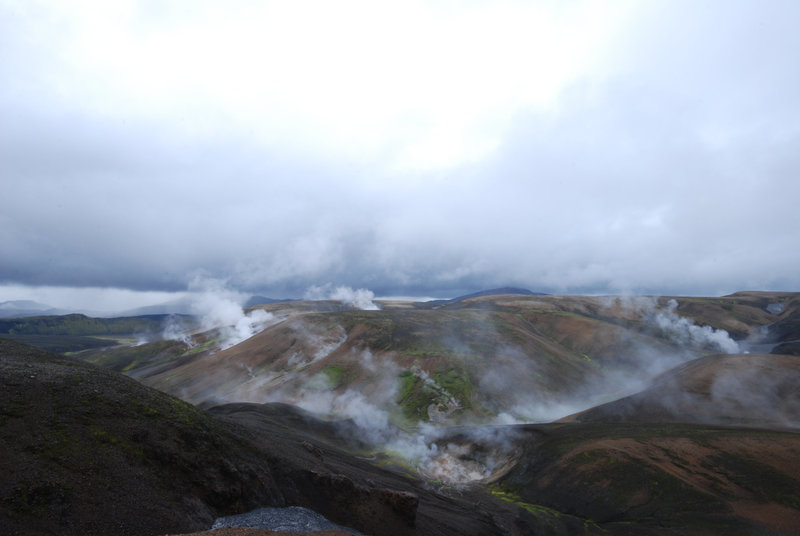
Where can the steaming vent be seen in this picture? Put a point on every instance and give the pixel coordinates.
(775, 308)
(481, 455)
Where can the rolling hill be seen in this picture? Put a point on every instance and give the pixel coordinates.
(485, 359)
(745, 390)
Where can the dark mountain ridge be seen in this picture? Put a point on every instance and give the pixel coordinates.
(23, 308)
(76, 332)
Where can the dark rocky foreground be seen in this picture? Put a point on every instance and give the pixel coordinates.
(87, 451)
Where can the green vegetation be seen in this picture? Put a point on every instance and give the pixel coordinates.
(547, 515)
(61, 343)
(336, 375)
(127, 358)
(446, 387)
(408, 381)
(457, 383)
(202, 347)
(79, 333)
(535, 509)
(412, 396)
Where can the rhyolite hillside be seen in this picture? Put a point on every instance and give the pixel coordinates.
(478, 360)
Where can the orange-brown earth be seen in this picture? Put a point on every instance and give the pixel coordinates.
(472, 359)
(709, 480)
(744, 389)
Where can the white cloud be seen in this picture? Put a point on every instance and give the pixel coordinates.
(410, 149)
(428, 85)
(92, 299)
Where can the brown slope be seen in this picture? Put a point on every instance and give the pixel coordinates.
(787, 327)
(757, 389)
(486, 355)
(737, 313)
(486, 359)
(655, 478)
(286, 356)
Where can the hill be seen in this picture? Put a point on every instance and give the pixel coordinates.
(81, 325)
(88, 451)
(660, 478)
(490, 292)
(483, 359)
(76, 332)
(23, 308)
(750, 389)
(253, 301)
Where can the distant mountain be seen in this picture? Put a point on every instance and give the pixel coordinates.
(262, 300)
(184, 306)
(23, 308)
(181, 306)
(76, 332)
(490, 292)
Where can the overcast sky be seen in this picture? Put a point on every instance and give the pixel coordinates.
(411, 148)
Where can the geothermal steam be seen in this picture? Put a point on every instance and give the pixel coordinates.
(357, 299)
(672, 340)
(686, 333)
(369, 404)
(219, 308)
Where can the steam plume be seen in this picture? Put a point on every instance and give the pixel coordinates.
(218, 307)
(358, 299)
(685, 332)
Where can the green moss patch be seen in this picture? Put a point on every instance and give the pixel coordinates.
(336, 375)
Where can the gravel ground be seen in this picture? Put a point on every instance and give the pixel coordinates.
(240, 531)
(291, 518)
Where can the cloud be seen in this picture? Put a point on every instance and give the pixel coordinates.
(642, 147)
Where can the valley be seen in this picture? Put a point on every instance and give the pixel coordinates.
(492, 414)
